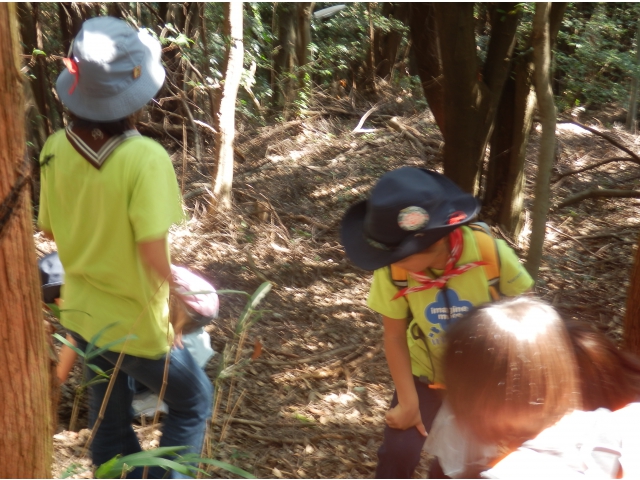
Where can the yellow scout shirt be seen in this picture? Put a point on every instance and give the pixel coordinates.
(434, 310)
(97, 217)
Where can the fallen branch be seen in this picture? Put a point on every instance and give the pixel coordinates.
(319, 170)
(246, 422)
(195, 193)
(254, 269)
(609, 139)
(595, 165)
(598, 193)
(331, 370)
(412, 135)
(303, 440)
(601, 235)
(574, 239)
(310, 359)
(364, 118)
(310, 221)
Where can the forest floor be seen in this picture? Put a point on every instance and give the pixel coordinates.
(312, 404)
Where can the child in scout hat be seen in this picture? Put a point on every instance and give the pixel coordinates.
(417, 221)
(108, 198)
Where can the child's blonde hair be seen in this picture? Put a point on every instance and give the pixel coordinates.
(510, 370)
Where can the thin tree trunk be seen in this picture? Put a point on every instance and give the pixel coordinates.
(25, 416)
(547, 110)
(504, 192)
(370, 82)
(224, 122)
(426, 49)
(387, 44)
(633, 101)
(285, 59)
(304, 39)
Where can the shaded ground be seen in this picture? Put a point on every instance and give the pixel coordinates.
(312, 404)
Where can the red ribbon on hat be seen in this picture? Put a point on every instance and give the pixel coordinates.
(72, 66)
(456, 243)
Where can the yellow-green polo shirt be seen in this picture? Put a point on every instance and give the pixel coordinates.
(429, 307)
(97, 217)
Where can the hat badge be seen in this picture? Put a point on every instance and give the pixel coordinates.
(413, 218)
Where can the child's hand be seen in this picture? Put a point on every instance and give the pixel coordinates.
(403, 418)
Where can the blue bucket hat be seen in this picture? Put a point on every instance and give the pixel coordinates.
(112, 71)
(408, 210)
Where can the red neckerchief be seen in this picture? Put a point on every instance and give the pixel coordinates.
(456, 244)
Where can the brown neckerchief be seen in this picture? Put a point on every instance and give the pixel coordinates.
(95, 145)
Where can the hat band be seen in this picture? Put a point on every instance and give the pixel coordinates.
(377, 244)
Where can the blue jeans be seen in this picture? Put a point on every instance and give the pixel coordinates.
(399, 454)
(189, 395)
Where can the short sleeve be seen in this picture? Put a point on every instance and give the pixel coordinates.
(514, 278)
(155, 202)
(44, 221)
(381, 293)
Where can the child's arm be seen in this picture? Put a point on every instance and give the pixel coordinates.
(407, 413)
(66, 360)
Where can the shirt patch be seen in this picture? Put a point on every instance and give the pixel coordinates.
(442, 312)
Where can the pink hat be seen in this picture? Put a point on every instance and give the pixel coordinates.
(197, 293)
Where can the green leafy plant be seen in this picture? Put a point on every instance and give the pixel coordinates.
(119, 466)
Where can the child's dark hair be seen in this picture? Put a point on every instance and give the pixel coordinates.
(113, 128)
(510, 370)
(609, 377)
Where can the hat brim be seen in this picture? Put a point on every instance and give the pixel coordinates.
(115, 107)
(368, 257)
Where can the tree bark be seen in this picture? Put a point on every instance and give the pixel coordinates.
(387, 44)
(305, 10)
(426, 48)
(631, 337)
(633, 100)
(25, 415)
(224, 121)
(504, 192)
(471, 97)
(31, 32)
(547, 111)
(285, 59)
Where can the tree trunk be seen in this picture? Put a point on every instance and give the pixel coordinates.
(547, 111)
(471, 97)
(370, 74)
(31, 32)
(426, 49)
(504, 192)
(224, 121)
(305, 10)
(631, 338)
(25, 417)
(285, 59)
(386, 44)
(633, 100)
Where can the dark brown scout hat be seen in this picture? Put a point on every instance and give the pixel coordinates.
(408, 210)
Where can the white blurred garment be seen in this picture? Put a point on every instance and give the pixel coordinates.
(198, 343)
(458, 451)
(582, 445)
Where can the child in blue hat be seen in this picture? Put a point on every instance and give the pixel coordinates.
(108, 198)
